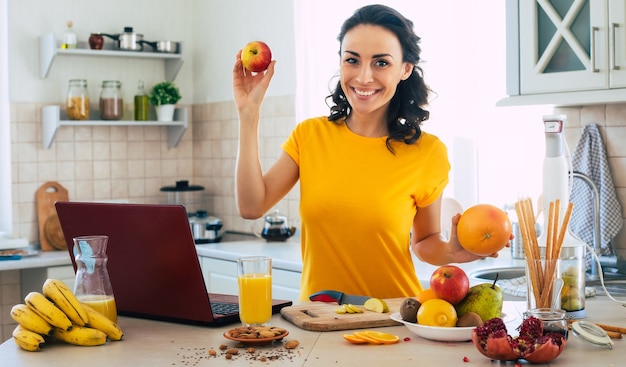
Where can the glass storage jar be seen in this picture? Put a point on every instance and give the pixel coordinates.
(554, 320)
(111, 100)
(77, 102)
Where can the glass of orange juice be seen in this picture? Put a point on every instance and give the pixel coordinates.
(255, 290)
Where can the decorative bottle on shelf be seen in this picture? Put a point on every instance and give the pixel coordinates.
(111, 100)
(77, 102)
(141, 103)
(69, 37)
(93, 286)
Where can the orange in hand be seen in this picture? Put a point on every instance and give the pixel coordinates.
(484, 229)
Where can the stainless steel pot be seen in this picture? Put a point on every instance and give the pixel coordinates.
(129, 40)
(190, 196)
(205, 228)
(169, 47)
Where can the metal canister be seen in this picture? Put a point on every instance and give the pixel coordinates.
(111, 100)
(77, 102)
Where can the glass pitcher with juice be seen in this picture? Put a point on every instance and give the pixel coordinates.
(93, 286)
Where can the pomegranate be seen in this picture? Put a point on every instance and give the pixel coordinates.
(532, 344)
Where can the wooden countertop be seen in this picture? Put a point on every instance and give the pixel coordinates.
(153, 343)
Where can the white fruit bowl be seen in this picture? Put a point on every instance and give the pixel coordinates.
(444, 334)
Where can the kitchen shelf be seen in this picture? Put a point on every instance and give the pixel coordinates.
(49, 50)
(52, 118)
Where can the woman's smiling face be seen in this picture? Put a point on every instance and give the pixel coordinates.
(371, 67)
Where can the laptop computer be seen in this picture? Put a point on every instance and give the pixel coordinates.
(152, 261)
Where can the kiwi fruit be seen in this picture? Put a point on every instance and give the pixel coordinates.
(408, 309)
(469, 319)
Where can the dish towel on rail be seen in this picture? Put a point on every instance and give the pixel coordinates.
(589, 158)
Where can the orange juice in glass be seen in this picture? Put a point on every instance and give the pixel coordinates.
(101, 303)
(255, 290)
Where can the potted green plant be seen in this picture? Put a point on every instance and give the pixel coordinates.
(164, 97)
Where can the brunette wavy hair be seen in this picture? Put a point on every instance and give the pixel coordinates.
(405, 114)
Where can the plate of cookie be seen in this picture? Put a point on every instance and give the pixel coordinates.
(16, 254)
(256, 335)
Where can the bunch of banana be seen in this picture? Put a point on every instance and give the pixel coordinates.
(98, 321)
(47, 310)
(57, 292)
(81, 335)
(58, 313)
(29, 320)
(27, 340)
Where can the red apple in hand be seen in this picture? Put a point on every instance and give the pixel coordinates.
(450, 283)
(256, 56)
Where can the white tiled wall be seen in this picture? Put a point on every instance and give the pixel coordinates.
(9, 296)
(215, 152)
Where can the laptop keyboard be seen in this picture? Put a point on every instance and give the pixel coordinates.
(224, 308)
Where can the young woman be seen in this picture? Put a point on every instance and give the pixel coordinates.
(370, 179)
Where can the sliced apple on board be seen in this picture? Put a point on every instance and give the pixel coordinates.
(376, 305)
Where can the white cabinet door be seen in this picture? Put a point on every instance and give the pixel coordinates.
(220, 276)
(617, 43)
(563, 45)
(32, 279)
(286, 284)
(64, 273)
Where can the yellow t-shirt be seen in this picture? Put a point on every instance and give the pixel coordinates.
(357, 204)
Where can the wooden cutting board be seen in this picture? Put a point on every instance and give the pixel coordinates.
(50, 233)
(321, 316)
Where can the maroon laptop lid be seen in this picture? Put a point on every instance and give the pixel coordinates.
(153, 265)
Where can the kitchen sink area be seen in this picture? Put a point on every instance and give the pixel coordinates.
(486, 275)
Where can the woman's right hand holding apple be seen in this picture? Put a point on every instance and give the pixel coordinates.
(249, 88)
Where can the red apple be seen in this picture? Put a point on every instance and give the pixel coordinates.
(450, 283)
(256, 56)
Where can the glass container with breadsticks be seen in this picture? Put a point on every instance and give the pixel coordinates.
(555, 254)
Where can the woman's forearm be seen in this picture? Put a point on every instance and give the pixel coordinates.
(433, 250)
(250, 187)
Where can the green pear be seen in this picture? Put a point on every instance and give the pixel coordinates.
(484, 299)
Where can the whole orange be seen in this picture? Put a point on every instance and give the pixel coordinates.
(484, 229)
(425, 295)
